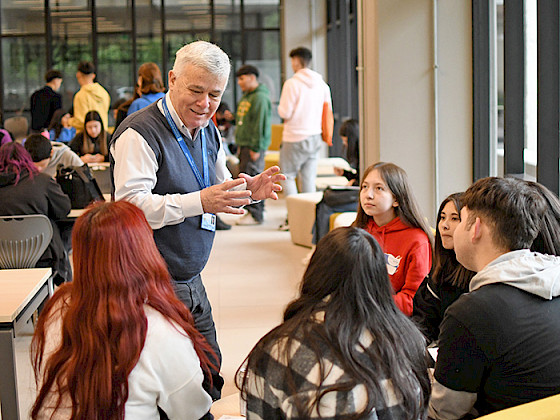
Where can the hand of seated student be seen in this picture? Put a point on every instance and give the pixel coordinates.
(338, 171)
(87, 158)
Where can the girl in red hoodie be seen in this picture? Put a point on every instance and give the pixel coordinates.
(389, 211)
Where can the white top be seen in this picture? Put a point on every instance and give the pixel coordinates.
(135, 176)
(301, 105)
(167, 374)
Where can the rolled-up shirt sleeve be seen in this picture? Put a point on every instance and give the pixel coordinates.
(135, 176)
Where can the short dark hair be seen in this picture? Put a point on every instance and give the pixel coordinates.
(510, 206)
(303, 53)
(86, 67)
(38, 146)
(52, 74)
(247, 69)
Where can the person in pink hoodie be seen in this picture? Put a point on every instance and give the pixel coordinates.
(301, 108)
(389, 211)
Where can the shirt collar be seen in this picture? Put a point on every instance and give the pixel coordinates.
(182, 127)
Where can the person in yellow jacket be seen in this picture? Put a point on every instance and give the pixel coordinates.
(91, 96)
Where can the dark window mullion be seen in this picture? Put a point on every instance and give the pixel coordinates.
(514, 87)
(134, 34)
(94, 45)
(548, 101)
(481, 88)
(242, 26)
(1, 73)
(165, 55)
(48, 35)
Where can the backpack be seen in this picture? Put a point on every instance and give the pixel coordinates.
(78, 183)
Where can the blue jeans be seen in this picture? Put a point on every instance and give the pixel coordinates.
(193, 294)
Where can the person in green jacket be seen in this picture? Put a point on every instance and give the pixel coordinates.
(252, 133)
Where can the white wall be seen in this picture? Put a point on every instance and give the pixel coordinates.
(455, 96)
(304, 26)
(398, 107)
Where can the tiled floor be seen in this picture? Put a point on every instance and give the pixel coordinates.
(253, 272)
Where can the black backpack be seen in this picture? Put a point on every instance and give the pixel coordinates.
(78, 183)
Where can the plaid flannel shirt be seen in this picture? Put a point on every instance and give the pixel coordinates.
(270, 396)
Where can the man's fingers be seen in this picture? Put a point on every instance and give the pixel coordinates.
(278, 178)
(237, 195)
(272, 170)
(228, 185)
(234, 210)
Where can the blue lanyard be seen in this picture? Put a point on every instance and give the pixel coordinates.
(187, 153)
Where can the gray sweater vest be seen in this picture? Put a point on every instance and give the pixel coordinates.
(184, 246)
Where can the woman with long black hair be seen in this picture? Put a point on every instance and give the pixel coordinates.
(344, 349)
(448, 279)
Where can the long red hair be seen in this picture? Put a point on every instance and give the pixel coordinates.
(117, 270)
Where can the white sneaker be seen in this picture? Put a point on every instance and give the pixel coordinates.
(247, 220)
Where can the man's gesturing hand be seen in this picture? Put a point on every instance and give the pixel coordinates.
(264, 185)
(218, 198)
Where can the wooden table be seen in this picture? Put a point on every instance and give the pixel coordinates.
(23, 290)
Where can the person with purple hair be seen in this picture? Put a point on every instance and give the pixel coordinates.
(5, 137)
(24, 190)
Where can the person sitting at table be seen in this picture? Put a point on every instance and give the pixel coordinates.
(91, 144)
(344, 349)
(116, 343)
(447, 279)
(497, 345)
(350, 134)
(47, 155)
(60, 128)
(24, 190)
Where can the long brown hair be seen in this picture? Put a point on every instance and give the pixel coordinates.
(117, 270)
(408, 209)
(87, 142)
(445, 267)
(151, 78)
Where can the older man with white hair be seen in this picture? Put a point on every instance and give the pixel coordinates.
(168, 160)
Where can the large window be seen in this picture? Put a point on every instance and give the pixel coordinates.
(516, 69)
(120, 35)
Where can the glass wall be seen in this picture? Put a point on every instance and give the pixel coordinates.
(120, 35)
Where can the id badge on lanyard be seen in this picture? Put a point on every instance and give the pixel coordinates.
(208, 221)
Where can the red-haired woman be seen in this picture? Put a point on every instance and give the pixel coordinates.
(116, 343)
